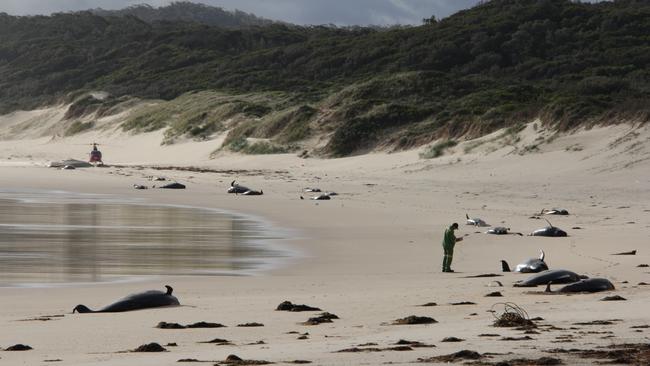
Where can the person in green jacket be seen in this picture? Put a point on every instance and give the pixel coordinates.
(448, 243)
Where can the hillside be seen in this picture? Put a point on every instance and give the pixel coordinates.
(498, 65)
(188, 12)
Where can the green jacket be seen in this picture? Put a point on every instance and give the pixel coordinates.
(449, 240)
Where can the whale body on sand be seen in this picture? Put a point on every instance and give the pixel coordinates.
(141, 300)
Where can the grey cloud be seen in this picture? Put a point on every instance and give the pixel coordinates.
(340, 12)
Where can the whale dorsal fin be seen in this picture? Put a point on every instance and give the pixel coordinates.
(169, 289)
(504, 266)
(541, 255)
(466, 215)
(548, 287)
(82, 309)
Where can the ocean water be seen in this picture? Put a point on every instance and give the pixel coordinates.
(52, 237)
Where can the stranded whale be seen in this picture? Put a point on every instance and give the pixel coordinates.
(550, 230)
(532, 265)
(548, 276)
(586, 285)
(142, 300)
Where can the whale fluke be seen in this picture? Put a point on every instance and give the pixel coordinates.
(541, 255)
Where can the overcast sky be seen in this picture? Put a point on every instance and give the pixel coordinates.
(340, 12)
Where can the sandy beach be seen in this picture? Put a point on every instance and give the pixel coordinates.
(371, 255)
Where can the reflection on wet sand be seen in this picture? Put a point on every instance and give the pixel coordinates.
(67, 241)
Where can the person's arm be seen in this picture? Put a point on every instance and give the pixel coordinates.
(459, 239)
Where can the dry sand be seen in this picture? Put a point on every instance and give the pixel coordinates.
(370, 255)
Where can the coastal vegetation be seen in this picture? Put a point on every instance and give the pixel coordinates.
(494, 66)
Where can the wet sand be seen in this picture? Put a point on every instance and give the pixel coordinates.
(371, 255)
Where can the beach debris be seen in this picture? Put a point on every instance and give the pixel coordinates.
(628, 354)
(205, 325)
(150, 347)
(542, 361)
(165, 325)
(368, 344)
(139, 186)
(18, 347)
(489, 335)
(576, 228)
(413, 344)
(643, 266)
(219, 341)
(454, 357)
(244, 325)
(357, 349)
(429, 304)
(43, 318)
(452, 339)
(171, 344)
(524, 338)
(631, 252)
(495, 284)
(494, 294)
(288, 306)
(511, 315)
(413, 319)
(613, 298)
(54, 360)
(322, 318)
(298, 362)
(236, 360)
(375, 349)
(484, 275)
(645, 326)
(462, 303)
(599, 322)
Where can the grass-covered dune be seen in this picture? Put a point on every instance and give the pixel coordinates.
(493, 66)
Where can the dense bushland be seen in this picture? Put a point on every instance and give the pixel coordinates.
(485, 68)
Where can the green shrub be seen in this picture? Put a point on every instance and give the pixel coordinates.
(438, 149)
(78, 127)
